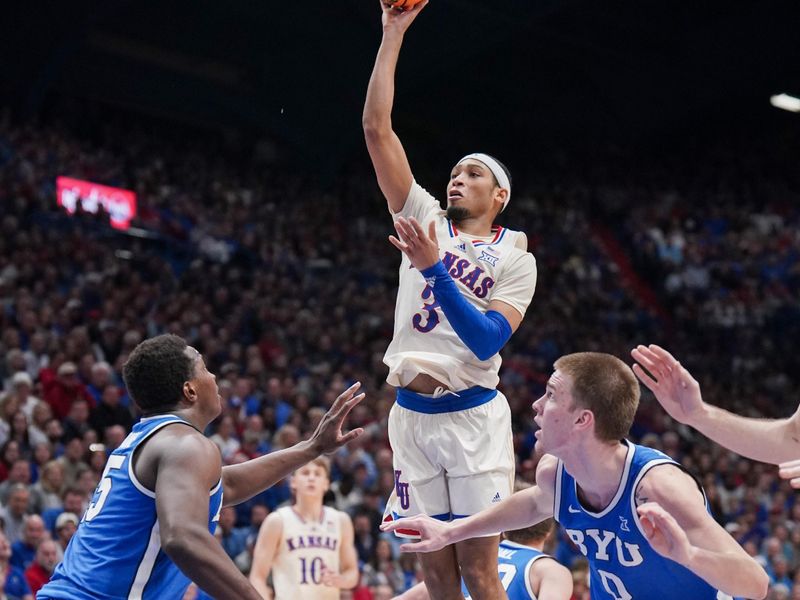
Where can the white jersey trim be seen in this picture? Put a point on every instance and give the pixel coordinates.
(528, 567)
(131, 475)
(145, 569)
(620, 489)
(557, 494)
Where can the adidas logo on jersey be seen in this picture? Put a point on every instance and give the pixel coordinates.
(497, 497)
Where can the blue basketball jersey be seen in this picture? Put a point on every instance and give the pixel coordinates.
(514, 562)
(116, 552)
(622, 563)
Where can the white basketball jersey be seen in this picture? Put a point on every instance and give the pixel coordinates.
(484, 269)
(306, 546)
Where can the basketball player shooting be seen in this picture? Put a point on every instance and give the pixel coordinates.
(464, 288)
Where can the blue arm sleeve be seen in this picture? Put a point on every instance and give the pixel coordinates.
(484, 334)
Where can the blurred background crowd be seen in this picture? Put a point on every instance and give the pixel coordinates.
(287, 287)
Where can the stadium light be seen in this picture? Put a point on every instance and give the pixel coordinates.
(786, 102)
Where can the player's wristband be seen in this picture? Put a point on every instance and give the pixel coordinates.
(483, 334)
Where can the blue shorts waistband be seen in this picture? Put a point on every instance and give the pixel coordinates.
(450, 402)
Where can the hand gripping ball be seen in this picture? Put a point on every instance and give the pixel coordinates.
(402, 4)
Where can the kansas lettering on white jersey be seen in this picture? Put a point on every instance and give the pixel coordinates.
(305, 548)
(484, 269)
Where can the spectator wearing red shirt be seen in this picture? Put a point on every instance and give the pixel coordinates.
(61, 391)
(43, 565)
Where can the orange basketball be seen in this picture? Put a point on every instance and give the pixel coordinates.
(403, 4)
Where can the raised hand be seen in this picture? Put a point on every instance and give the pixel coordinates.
(664, 534)
(328, 436)
(397, 20)
(673, 386)
(433, 533)
(422, 249)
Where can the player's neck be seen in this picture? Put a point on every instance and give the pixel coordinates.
(475, 226)
(597, 470)
(187, 414)
(309, 508)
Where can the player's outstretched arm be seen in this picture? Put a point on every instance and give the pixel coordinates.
(523, 509)
(550, 580)
(245, 480)
(676, 523)
(385, 149)
(186, 471)
(269, 536)
(767, 440)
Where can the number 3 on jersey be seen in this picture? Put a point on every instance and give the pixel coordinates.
(430, 317)
(104, 487)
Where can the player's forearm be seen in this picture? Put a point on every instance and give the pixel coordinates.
(377, 117)
(243, 481)
(202, 559)
(515, 512)
(766, 440)
(734, 573)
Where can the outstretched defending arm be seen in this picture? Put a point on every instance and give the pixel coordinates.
(243, 481)
(770, 441)
(387, 153)
(522, 509)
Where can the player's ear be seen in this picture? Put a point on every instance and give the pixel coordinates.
(189, 392)
(584, 419)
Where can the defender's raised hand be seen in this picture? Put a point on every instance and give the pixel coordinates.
(328, 436)
(673, 386)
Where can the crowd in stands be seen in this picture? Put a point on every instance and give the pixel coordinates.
(288, 291)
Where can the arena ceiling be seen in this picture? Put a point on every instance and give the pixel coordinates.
(499, 74)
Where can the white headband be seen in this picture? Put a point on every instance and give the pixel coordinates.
(498, 172)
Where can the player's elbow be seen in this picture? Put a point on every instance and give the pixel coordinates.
(753, 583)
(376, 128)
(180, 542)
(485, 354)
(760, 586)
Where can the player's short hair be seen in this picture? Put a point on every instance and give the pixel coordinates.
(156, 371)
(534, 533)
(605, 385)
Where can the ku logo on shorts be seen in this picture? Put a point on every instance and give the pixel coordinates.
(401, 489)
